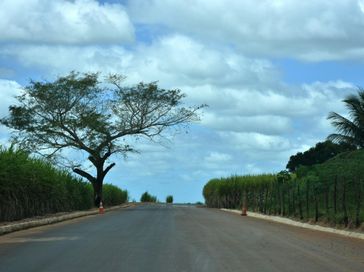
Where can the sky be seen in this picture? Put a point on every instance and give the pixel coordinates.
(270, 72)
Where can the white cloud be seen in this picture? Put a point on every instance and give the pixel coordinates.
(217, 157)
(256, 141)
(255, 102)
(181, 60)
(361, 5)
(8, 90)
(174, 61)
(63, 22)
(58, 60)
(312, 30)
(252, 169)
(214, 161)
(266, 124)
(281, 100)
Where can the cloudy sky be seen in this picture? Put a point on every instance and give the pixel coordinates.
(269, 70)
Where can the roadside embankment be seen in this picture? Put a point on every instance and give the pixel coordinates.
(47, 220)
(291, 222)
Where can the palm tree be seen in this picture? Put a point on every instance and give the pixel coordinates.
(350, 130)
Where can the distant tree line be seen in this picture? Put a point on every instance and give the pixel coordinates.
(320, 153)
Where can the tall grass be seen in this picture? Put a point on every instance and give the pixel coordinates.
(332, 192)
(113, 195)
(32, 187)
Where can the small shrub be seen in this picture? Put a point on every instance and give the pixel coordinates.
(169, 199)
(146, 197)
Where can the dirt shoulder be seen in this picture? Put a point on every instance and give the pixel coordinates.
(8, 227)
(283, 220)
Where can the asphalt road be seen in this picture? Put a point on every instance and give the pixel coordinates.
(177, 238)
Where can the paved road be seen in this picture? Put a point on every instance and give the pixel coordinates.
(175, 238)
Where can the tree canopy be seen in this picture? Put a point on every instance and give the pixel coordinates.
(96, 116)
(320, 153)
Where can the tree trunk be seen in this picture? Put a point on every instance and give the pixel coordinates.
(97, 186)
(97, 181)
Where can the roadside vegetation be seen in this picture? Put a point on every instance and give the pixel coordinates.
(83, 112)
(146, 197)
(331, 192)
(33, 187)
(169, 199)
(324, 183)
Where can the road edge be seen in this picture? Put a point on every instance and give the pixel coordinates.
(291, 222)
(16, 226)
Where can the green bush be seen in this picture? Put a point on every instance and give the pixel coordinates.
(146, 197)
(169, 199)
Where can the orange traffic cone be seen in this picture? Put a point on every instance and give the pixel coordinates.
(101, 208)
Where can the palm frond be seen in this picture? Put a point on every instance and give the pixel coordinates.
(343, 125)
(355, 105)
(350, 130)
(339, 138)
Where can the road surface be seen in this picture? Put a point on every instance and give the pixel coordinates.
(177, 238)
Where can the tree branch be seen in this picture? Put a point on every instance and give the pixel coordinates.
(108, 169)
(84, 174)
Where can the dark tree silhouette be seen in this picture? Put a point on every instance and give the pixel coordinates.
(320, 153)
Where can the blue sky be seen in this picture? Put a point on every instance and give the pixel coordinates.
(269, 83)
